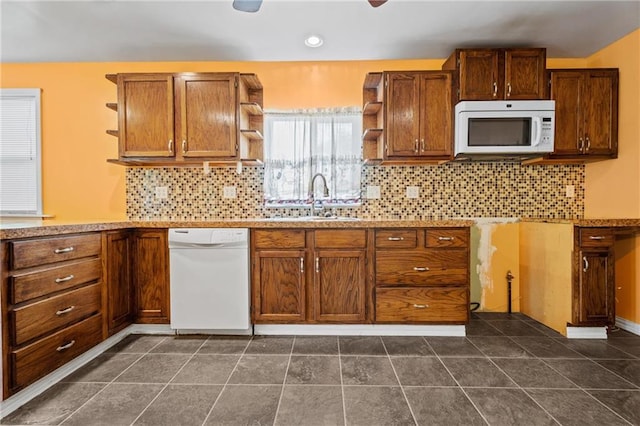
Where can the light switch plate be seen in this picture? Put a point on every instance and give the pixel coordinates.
(413, 191)
(570, 191)
(162, 193)
(229, 192)
(373, 192)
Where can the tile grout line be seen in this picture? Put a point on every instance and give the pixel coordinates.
(113, 380)
(456, 380)
(166, 385)
(584, 390)
(227, 382)
(395, 373)
(513, 381)
(344, 405)
(284, 380)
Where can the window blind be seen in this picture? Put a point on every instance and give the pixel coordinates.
(20, 153)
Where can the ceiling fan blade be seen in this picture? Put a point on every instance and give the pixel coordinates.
(376, 3)
(247, 5)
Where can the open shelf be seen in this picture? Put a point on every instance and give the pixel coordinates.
(113, 133)
(253, 135)
(371, 108)
(252, 108)
(112, 78)
(112, 105)
(371, 134)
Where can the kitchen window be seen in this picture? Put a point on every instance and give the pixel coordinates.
(20, 153)
(301, 143)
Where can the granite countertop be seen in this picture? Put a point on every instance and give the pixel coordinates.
(39, 228)
(53, 227)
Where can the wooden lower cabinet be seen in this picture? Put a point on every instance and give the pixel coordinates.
(119, 285)
(308, 276)
(422, 276)
(278, 286)
(151, 276)
(339, 286)
(422, 304)
(594, 280)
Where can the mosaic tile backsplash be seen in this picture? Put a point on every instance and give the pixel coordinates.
(447, 191)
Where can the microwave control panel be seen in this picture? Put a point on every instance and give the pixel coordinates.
(547, 131)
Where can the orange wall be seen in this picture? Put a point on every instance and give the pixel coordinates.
(78, 183)
(613, 187)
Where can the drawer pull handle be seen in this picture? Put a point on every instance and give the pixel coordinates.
(597, 237)
(417, 306)
(586, 264)
(67, 278)
(63, 250)
(65, 310)
(395, 238)
(445, 238)
(420, 268)
(65, 347)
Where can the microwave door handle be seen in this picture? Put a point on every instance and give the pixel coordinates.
(537, 125)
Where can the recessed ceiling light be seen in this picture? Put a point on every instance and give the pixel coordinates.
(313, 41)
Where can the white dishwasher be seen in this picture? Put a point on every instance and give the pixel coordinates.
(209, 280)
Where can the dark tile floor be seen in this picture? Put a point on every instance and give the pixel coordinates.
(509, 370)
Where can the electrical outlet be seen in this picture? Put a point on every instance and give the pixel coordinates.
(413, 191)
(162, 192)
(229, 192)
(570, 191)
(373, 192)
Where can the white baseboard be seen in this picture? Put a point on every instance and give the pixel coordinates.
(359, 330)
(586, 332)
(17, 400)
(630, 326)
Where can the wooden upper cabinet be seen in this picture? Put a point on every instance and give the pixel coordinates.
(181, 118)
(419, 115)
(498, 74)
(145, 115)
(206, 121)
(586, 113)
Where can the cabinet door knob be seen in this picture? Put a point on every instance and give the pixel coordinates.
(63, 250)
(420, 306)
(317, 264)
(63, 279)
(184, 146)
(415, 145)
(170, 146)
(422, 144)
(588, 144)
(420, 268)
(65, 347)
(395, 238)
(508, 90)
(65, 310)
(581, 145)
(586, 264)
(495, 89)
(302, 264)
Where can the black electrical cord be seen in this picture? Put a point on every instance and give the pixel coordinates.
(474, 306)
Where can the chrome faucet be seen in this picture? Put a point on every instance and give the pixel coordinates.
(311, 193)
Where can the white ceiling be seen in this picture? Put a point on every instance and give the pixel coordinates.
(128, 30)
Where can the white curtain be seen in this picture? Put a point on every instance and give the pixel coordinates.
(301, 143)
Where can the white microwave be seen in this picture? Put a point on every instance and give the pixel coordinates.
(494, 128)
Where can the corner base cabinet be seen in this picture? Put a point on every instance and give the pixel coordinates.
(151, 276)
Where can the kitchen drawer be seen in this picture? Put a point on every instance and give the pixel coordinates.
(447, 238)
(279, 238)
(411, 304)
(28, 253)
(43, 356)
(397, 238)
(596, 237)
(35, 284)
(426, 267)
(340, 238)
(39, 318)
